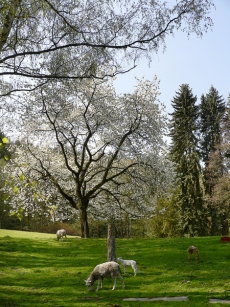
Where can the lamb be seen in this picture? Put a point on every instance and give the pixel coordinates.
(193, 250)
(131, 263)
(60, 234)
(106, 269)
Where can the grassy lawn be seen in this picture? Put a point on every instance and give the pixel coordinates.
(38, 270)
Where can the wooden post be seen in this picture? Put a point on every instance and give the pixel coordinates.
(111, 243)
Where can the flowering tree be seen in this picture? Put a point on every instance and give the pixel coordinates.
(30, 197)
(94, 147)
(87, 38)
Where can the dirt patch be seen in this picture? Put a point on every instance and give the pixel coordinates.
(213, 301)
(145, 299)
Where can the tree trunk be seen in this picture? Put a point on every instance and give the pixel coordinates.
(84, 222)
(111, 243)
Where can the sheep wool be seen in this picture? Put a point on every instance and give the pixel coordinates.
(131, 263)
(61, 233)
(104, 270)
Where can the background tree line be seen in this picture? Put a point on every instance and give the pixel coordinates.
(198, 133)
(84, 149)
(187, 185)
(78, 150)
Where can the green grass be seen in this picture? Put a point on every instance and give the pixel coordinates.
(37, 270)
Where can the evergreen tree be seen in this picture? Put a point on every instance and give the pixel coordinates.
(184, 153)
(211, 113)
(212, 109)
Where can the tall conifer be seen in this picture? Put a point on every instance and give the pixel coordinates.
(211, 113)
(212, 109)
(184, 153)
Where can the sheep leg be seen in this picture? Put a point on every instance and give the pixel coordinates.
(122, 281)
(114, 285)
(134, 269)
(124, 268)
(99, 283)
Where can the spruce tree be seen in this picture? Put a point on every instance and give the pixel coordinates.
(212, 109)
(211, 118)
(185, 155)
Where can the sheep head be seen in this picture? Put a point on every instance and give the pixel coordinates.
(89, 284)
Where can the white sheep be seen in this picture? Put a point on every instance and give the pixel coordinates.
(60, 234)
(107, 269)
(131, 263)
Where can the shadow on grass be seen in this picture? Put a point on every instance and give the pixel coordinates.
(52, 273)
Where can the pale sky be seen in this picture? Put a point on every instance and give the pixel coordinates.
(199, 62)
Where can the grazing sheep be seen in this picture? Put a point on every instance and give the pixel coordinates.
(193, 250)
(107, 269)
(131, 263)
(60, 234)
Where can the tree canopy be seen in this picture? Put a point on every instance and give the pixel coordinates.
(212, 109)
(95, 148)
(53, 39)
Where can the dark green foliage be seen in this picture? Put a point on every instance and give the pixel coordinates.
(212, 109)
(186, 157)
(164, 223)
(183, 124)
(211, 115)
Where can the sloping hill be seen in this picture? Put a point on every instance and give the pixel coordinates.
(29, 235)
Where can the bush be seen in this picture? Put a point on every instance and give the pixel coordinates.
(71, 229)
